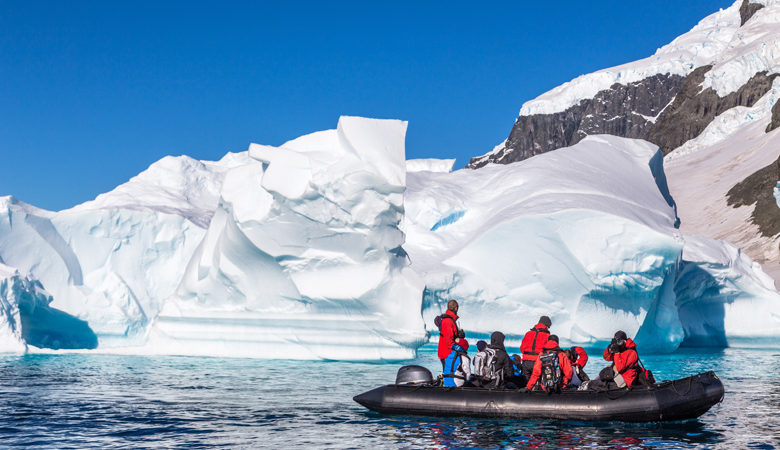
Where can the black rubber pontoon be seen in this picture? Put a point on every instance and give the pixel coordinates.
(686, 398)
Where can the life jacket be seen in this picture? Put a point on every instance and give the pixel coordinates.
(529, 346)
(551, 378)
(485, 365)
(453, 366)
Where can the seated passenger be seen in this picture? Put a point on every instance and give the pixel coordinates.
(552, 370)
(517, 366)
(533, 343)
(578, 359)
(626, 370)
(481, 362)
(457, 365)
(492, 366)
(625, 360)
(503, 365)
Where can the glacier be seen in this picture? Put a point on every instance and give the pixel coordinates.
(333, 246)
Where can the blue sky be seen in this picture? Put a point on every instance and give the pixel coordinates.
(92, 93)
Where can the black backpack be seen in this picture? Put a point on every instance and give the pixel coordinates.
(551, 376)
(439, 320)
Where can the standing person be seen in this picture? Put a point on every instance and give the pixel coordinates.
(552, 370)
(448, 331)
(533, 343)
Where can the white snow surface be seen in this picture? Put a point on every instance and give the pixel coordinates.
(736, 53)
(429, 165)
(298, 252)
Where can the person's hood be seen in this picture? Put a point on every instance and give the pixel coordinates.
(630, 344)
(451, 314)
(550, 345)
(541, 326)
(462, 344)
(497, 340)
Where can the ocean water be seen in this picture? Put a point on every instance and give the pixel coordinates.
(106, 401)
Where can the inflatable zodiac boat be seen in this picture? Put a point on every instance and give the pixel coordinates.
(415, 394)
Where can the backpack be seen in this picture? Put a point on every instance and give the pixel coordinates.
(551, 376)
(644, 377)
(517, 365)
(485, 364)
(438, 321)
(455, 370)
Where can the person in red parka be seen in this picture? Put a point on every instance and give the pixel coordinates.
(622, 352)
(533, 343)
(551, 346)
(449, 331)
(578, 358)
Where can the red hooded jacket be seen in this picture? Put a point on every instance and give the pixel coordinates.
(530, 349)
(449, 331)
(625, 361)
(582, 357)
(563, 363)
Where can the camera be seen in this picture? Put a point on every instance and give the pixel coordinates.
(617, 346)
(461, 334)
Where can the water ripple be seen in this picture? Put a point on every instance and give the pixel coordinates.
(104, 401)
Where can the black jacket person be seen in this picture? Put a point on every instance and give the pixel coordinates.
(502, 360)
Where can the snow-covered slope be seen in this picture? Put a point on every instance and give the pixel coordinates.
(703, 173)
(736, 51)
(706, 99)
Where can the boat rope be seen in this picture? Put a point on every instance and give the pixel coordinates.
(674, 387)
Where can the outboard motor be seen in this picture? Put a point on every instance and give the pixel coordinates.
(414, 375)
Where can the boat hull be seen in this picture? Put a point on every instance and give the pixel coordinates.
(686, 398)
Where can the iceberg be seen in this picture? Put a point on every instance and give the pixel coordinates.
(587, 235)
(303, 256)
(332, 246)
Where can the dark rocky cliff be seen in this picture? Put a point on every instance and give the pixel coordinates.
(623, 110)
(693, 108)
(747, 9)
(758, 189)
(630, 111)
(775, 123)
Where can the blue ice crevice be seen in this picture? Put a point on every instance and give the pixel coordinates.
(448, 219)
